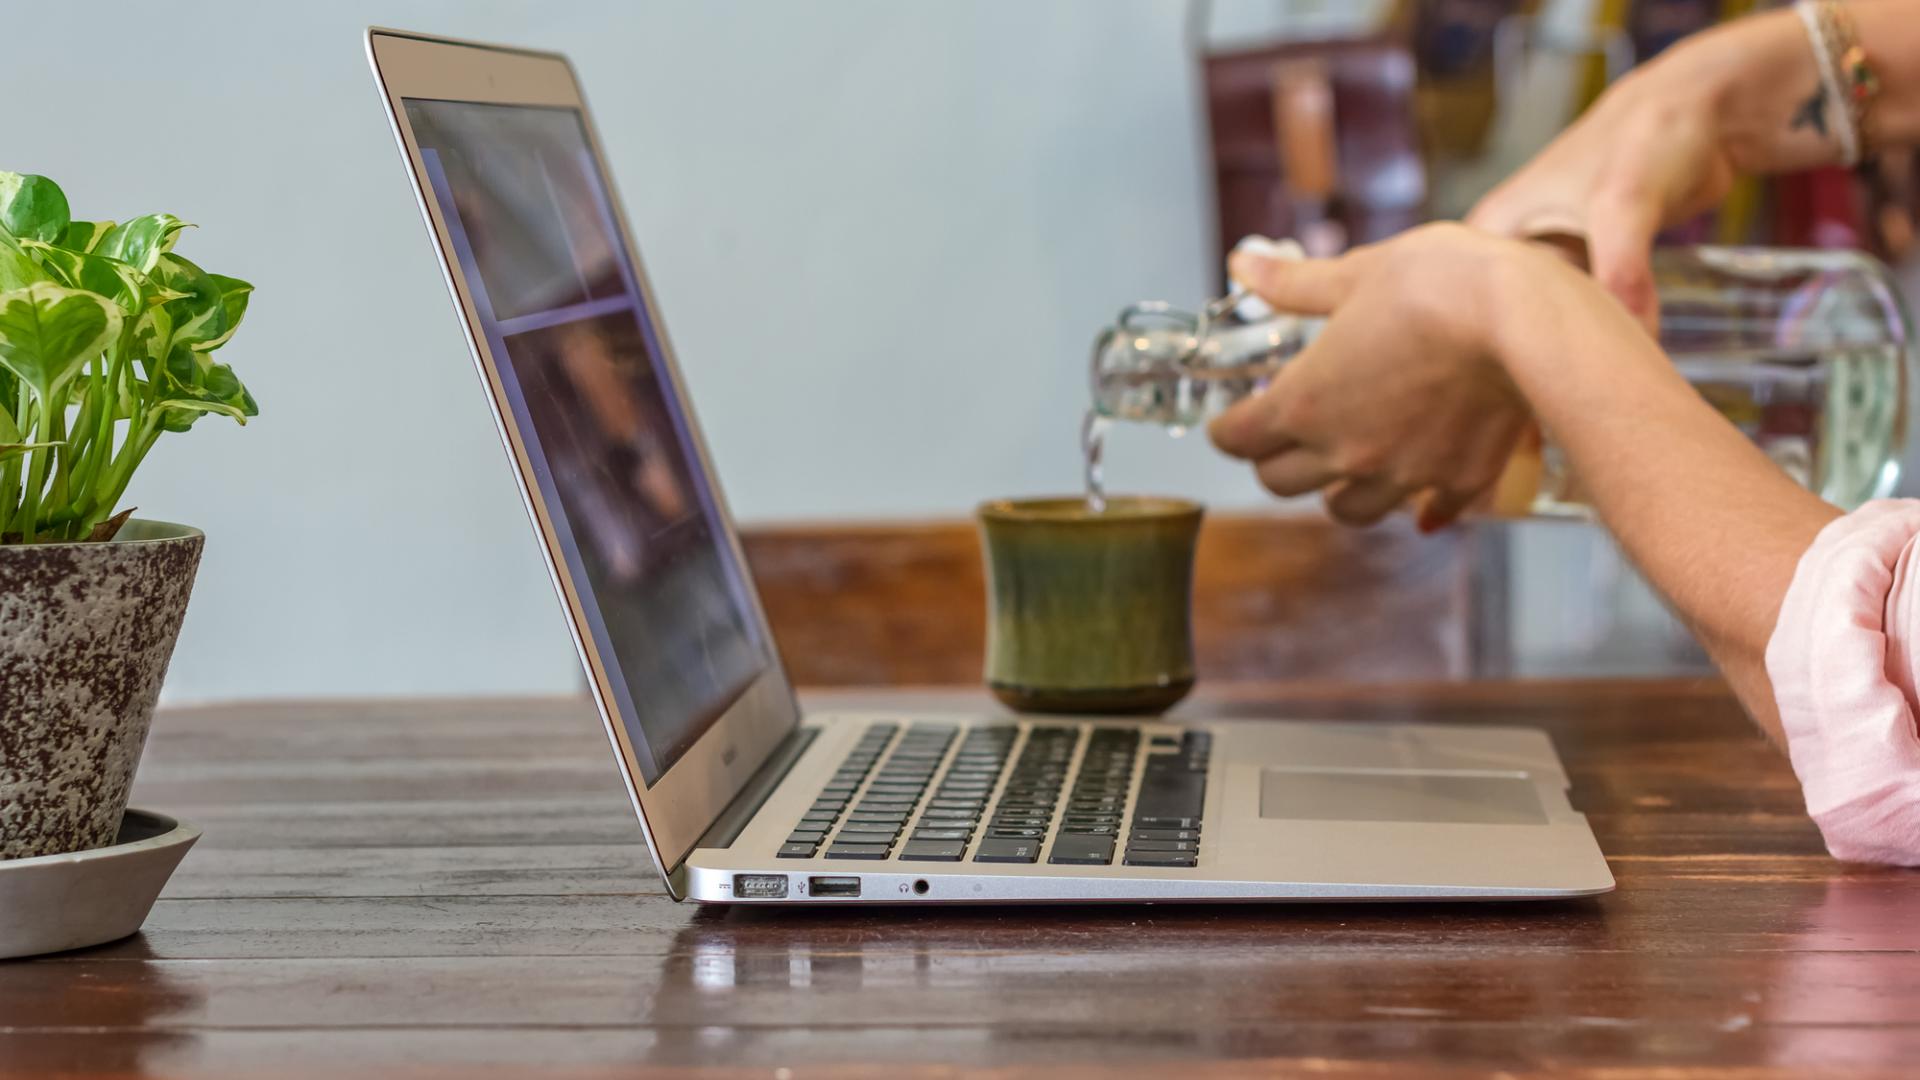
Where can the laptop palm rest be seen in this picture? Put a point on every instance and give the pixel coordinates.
(1426, 797)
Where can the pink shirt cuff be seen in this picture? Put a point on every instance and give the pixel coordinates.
(1844, 661)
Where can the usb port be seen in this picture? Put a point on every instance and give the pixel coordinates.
(760, 886)
(834, 886)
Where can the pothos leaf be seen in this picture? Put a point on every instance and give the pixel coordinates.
(17, 268)
(95, 273)
(190, 385)
(198, 314)
(152, 333)
(12, 450)
(179, 414)
(142, 240)
(32, 206)
(49, 332)
(83, 235)
(234, 295)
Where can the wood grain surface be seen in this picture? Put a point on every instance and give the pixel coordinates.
(455, 889)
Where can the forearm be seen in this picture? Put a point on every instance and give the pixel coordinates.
(1710, 521)
(1761, 81)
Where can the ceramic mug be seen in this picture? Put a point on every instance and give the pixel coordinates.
(1090, 611)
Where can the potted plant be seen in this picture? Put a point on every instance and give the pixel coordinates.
(106, 345)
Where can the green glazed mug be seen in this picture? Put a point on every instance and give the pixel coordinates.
(1090, 611)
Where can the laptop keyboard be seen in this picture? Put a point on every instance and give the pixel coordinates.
(888, 814)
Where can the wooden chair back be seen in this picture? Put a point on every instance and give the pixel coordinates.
(1275, 597)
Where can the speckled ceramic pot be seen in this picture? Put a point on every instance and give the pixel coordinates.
(86, 631)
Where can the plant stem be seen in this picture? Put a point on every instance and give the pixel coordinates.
(97, 441)
(140, 439)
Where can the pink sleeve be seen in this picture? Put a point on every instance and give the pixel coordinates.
(1844, 660)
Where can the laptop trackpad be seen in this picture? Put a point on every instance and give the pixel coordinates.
(1458, 798)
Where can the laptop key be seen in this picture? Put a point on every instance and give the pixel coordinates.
(1016, 834)
(1166, 834)
(858, 851)
(1155, 822)
(934, 850)
(881, 828)
(1080, 850)
(806, 836)
(796, 851)
(1090, 830)
(949, 815)
(994, 849)
(1157, 858)
(924, 833)
(1137, 844)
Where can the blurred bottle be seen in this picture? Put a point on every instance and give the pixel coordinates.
(1807, 352)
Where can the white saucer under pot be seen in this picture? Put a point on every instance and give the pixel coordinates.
(51, 903)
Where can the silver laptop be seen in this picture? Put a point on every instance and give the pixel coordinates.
(742, 798)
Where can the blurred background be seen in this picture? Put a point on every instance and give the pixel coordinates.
(883, 235)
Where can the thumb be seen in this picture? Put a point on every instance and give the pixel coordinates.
(1620, 249)
(1296, 286)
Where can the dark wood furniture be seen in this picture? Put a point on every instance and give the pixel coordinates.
(445, 889)
(1275, 597)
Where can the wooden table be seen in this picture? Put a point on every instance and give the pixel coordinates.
(454, 889)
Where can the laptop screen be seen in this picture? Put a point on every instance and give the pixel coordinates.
(634, 513)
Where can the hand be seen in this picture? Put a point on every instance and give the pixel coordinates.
(1665, 144)
(1641, 159)
(1401, 394)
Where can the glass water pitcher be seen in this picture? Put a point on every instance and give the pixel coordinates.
(1808, 352)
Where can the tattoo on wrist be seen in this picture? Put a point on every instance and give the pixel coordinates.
(1812, 113)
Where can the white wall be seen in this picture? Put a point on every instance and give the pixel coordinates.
(883, 234)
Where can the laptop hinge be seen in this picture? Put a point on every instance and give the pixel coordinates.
(759, 788)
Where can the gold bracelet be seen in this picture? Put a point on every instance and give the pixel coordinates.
(1847, 73)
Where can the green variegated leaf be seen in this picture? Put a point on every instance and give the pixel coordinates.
(188, 381)
(8, 450)
(179, 414)
(48, 333)
(223, 385)
(198, 313)
(234, 295)
(95, 273)
(32, 206)
(152, 333)
(17, 268)
(142, 240)
(83, 235)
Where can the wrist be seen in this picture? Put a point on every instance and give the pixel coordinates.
(1759, 82)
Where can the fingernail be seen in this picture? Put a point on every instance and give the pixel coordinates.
(1268, 248)
(1247, 268)
(1253, 258)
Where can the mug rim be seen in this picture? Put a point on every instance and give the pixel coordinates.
(1063, 508)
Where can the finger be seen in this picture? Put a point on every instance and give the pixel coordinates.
(1364, 500)
(1440, 507)
(1296, 472)
(1621, 225)
(1250, 429)
(1300, 286)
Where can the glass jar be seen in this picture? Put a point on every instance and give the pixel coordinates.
(1807, 352)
